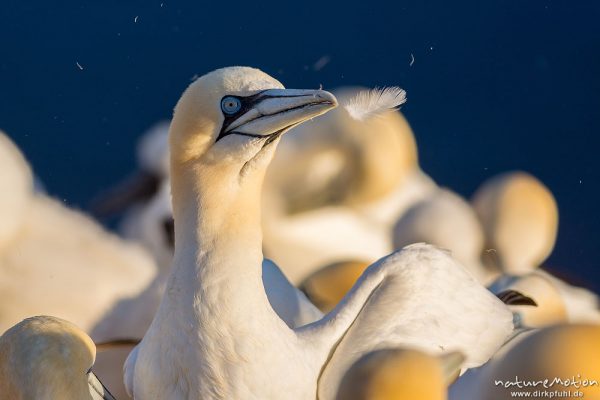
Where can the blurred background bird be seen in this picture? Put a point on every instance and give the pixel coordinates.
(45, 357)
(396, 374)
(562, 355)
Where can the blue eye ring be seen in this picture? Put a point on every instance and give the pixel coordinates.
(230, 105)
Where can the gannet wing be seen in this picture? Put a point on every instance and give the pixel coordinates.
(292, 306)
(425, 300)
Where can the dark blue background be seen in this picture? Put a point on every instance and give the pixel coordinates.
(497, 86)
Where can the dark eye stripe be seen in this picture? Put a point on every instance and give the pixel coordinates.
(247, 103)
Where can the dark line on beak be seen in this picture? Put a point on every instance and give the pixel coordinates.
(104, 392)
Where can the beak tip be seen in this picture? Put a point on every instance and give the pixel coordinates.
(327, 97)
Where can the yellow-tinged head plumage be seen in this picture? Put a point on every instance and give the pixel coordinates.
(550, 309)
(45, 358)
(520, 218)
(234, 102)
(198, 115)
(399, 374)
(327, 286)
(570, 353)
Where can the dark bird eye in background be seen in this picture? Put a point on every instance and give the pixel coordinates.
(492, 86)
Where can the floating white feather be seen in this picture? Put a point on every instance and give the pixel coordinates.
(371, 103)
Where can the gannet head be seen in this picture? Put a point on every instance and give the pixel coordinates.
(47, 357)
(520, 218)
(400, 374)
(550, 308)
(569, 353)
(234, 116)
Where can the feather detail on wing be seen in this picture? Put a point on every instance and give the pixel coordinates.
(427, 301)
(371, 103)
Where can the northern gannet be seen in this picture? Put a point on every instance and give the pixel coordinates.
(48, 358)
(337, 186)
(551, 308)
(400, 374)
(559, 301)
(565, 352)
(215, 335)
(520, 217)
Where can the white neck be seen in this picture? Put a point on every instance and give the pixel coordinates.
(218, 240)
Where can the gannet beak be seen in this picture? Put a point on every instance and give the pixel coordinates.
(272, 112)
(97, 389)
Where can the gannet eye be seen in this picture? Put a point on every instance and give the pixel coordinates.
(231, 105)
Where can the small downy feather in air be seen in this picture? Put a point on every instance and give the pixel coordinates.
(371, 103)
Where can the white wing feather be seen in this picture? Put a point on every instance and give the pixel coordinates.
(371, 103)
(427, 301)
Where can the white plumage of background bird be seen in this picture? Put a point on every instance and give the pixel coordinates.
(447, 221)
(59, 261)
